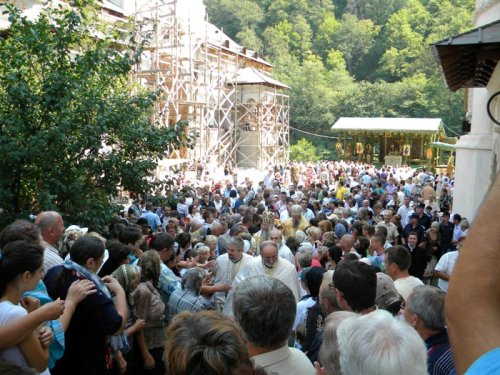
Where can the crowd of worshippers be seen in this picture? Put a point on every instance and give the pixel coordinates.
(348, 277)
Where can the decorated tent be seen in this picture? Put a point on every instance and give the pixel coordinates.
(392, 141)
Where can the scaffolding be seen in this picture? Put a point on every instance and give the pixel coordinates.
(197, 70)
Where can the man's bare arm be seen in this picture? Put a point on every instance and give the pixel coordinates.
(473, 300)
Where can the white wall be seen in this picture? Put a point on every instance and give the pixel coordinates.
(477, 152)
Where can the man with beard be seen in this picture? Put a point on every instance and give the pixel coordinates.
(295, 223)
(227, 266)
(283, 250)
(264, 233)
(271, 264)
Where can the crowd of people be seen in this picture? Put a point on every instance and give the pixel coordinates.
(326, 268)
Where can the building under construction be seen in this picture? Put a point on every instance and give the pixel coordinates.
(237, 114)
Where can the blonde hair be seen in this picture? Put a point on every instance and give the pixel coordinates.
(325, 226)
(314, 232)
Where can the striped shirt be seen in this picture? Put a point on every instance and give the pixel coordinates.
(51, 257)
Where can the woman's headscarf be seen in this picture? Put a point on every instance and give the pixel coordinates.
(127, 275)
(150, 266)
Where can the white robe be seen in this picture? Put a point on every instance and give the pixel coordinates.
(282, 270)
(225, 271)
(285, 252)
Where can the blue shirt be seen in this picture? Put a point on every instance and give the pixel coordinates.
(488, 363)
(153, 220)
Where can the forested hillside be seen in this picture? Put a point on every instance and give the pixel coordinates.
(352, 57)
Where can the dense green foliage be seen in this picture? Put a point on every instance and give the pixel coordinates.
(73, 130)
(304, 151)
(352, 57)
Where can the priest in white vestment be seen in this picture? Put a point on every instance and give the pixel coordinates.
(228, 265)
(270, 263)
(283, 250)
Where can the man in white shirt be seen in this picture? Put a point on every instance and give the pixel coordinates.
(444, 269)
(269, 179)
(392, 230)
(217, 201)
(397, 262)
(306, 212)
(405, 210)
(52, 228)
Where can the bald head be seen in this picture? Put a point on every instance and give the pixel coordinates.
(269, 253)
(51, 226)
(276, 236)
(346, 242)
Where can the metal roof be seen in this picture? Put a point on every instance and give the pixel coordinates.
(381, 124)
(251, 76)
(468, 60)
(443, 146)
(217, 38)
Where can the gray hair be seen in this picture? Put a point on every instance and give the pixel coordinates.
(199, 248)
(268, 243)
(329, 351)
(192, 280)
(427, 302)
(265, 309)
(300, 236)
(237, 242)
(210, 239)
(296, 209)
(304, 256)
(393, 348)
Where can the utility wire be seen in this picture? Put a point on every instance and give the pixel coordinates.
(316, 135)
(451, 130)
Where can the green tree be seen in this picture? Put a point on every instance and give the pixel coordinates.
(234, 16)
(312, 97)
(249, 38)
(354, 38)
(73, 131)
(323, 41)
(376, 10)
(406, 45)
(304, 151)
(277, 49)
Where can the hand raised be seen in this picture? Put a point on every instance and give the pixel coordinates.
(52, 310)
(30, 303)
(112, 284)
(79, 290)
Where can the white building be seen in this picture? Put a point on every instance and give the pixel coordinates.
(470, 60)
